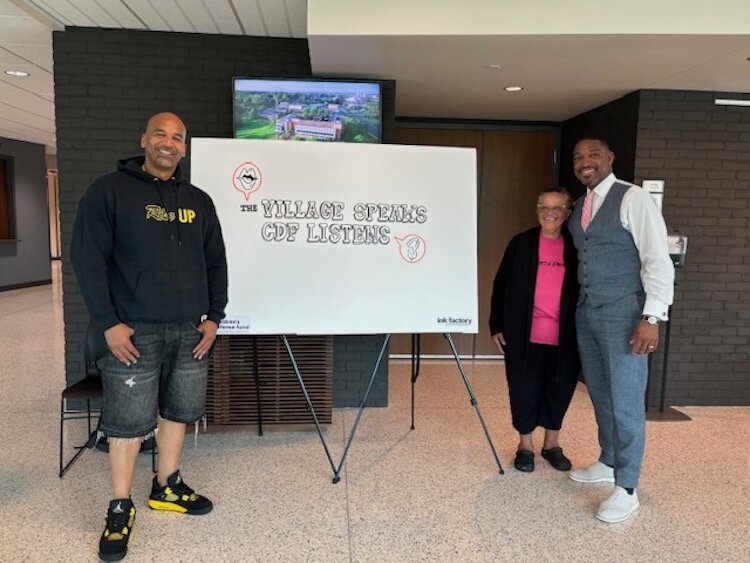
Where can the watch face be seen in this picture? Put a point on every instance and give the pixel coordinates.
(652, 320)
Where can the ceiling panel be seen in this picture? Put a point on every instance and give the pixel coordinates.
(92, 10)
(11, 130)
(124, 17)
(197, 14)
(61, 11)
(225, 19)
(251, 18)
(38, 54)
(297, 10)
(28, 128)
(274, 14)
(728, 73)
(36, 95)
(22, 117)
(562, 76)
(149, 14)
(176, 15)
(23, 29)
(9, 58)
(8, 9)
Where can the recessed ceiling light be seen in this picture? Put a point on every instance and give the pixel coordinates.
(16, 73)
(513, 88)
(495, 67)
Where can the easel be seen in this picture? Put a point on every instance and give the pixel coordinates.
(363, 403)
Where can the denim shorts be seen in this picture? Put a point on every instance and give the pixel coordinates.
(167, 380)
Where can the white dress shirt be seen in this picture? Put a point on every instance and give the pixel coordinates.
(640, 216)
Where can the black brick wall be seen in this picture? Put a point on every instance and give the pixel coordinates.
(355, 356)
(107, 84)
(702, 151)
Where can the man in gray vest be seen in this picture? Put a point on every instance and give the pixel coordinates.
(627, 281)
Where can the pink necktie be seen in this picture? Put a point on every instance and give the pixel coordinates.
(588, 203)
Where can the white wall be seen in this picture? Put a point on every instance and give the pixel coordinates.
(533, 17)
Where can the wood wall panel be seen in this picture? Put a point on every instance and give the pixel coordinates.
(516, 166)
(231, 396)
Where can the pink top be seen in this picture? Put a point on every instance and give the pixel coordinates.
(545, 321)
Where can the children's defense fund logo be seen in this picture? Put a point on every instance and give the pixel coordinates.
(412, 248)
(247, 179)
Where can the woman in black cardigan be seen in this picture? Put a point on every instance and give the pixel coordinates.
(533, 324)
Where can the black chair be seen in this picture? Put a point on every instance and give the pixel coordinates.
(88, 389)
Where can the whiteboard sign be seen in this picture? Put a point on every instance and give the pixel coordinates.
(338, 238)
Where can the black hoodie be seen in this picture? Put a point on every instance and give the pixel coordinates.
(148, 250)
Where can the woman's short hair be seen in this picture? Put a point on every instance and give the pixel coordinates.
(557, 190)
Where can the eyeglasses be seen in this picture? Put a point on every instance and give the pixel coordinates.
(558, 209)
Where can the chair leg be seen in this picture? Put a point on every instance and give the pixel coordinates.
(91, 440)
(88, 415)
(62, 419)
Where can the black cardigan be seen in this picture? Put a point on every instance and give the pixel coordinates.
(512, 302)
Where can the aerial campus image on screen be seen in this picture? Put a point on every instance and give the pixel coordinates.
(307, 110)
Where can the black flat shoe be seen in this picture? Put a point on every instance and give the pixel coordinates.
(556, 459)
(524, 461)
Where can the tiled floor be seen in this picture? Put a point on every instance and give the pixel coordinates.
(432, 494)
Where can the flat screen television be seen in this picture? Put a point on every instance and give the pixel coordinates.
(307, 109)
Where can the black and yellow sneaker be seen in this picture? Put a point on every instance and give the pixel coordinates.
(113, 544)
(178, 497)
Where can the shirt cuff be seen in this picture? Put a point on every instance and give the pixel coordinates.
(655, 308)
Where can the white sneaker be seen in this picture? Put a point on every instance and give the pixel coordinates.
(618, 507)
(597, 472)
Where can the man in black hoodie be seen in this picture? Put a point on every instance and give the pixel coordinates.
(150, 260)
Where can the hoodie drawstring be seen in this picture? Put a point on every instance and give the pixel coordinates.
(177, 209)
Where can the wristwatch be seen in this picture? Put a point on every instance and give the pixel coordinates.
(650, 319)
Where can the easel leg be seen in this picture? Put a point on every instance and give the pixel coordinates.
(362, 405)
(309, 403)
(663, 393)
(415, 361)
(473, 400)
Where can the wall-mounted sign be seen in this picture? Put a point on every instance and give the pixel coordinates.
(656, 189)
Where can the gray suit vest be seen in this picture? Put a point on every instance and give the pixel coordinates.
(609, 267)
